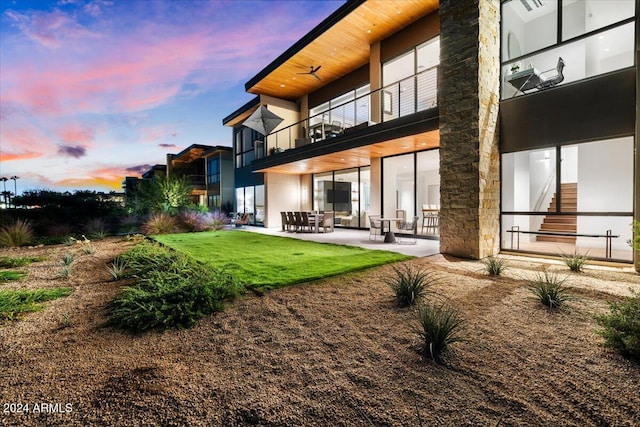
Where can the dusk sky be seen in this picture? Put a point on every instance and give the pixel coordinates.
(95, 90)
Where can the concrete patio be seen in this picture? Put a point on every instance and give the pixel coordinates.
(351, 237)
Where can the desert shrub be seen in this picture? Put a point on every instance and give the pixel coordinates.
(575, 261)
(621, 326)
(549, 289)
(12, 262)
(8, 275)
(159, 223)
(68, 258)
(176, 295)
(14, 303)
(59, 230)
(216, 220)
(17, 234)
(439, 326)
(410, 283)
(129, 224)
(88, 249)
(118, 268)
(65, 271)
(192, 220)
(96, 228)
(494, 266)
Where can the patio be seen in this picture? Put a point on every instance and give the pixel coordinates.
(351, 237)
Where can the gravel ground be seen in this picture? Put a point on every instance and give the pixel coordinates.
(334, 352)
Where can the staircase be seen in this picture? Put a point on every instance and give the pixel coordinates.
(568, 223)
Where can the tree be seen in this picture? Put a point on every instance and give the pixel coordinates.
(162, 195)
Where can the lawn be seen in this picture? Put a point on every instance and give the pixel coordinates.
(268, 262)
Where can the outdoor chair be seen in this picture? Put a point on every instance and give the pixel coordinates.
(375, 227)
(306, 221)
(298, 216)
(285, 221)
(410, 228)
(291, 220)
(327, 221)
(402, 214)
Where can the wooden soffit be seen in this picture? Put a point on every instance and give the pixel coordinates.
(360, 156)
(340, 49)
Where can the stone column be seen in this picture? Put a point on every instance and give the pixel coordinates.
(468, 99)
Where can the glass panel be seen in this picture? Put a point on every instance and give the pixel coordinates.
(407, 97)
(322, 188)
(519, 233)
(427, 89)
(527, 26)
(601, 53)
(428, 192)
(364, 196)
(249, 201)
(528, 180)
(240, 200)
(247, 139)
(398, 187)
(362, 105)
(398, 69)
(345, 198)
(428, 55)
(583, 16)
(259, 218)
(597, 168)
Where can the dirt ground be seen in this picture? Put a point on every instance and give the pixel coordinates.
(330, 353)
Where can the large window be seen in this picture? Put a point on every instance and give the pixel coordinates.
(591, 36)
(410, 81)
(244, 142)
(347, 193)
(213, 170)
(411, 187)
(251, 200)
(569, 198)
(342, 112)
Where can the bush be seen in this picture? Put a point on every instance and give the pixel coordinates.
(96, 228)
(575, 261)
(159, 223)
(192, 220)
(439, 326)
(494, 266)
(216, 220)
(12, 262)
(410, 284)
(550, 290)
(622, 326)
(8, 275)
(14, 303)
(17, 234)
(172, 290)
(129, 224)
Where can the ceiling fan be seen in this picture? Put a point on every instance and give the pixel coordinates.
(312, 71)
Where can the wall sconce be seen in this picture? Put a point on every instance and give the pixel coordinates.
(305, 194)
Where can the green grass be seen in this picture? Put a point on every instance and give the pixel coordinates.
(14, 303)
(269, 262)
(8, 275)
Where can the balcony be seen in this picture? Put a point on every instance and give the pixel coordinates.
(400, 99)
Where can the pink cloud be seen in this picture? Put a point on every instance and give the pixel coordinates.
(49, 29)
(109, 177)
(23, 142)
(76, 134)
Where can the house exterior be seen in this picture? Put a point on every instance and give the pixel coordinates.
(209, 172)
(513, 123)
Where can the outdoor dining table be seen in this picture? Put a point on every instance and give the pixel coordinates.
(389, 235)
(317, 219)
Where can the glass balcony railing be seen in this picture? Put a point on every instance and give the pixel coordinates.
(408, 96)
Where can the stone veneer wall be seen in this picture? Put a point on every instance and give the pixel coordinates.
(468, 100)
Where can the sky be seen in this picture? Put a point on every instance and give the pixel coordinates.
(92, 91)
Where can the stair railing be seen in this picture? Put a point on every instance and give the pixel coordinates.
(545, 191)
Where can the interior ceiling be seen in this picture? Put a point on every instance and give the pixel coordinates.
(360, 156)
(342, 48)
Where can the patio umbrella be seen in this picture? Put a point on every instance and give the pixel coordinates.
(263, 120)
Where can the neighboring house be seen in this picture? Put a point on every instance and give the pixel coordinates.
(130, 183)
(209, 171)
(461, 113)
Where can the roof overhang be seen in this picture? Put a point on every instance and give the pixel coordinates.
(340, 44)
(242, 113)
(191, 153)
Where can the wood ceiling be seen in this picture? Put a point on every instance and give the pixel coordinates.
(342, 48)
(360, 156)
